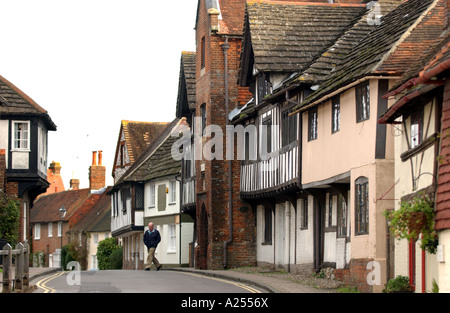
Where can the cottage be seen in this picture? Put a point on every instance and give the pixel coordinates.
(24, 127)
(353, 189)
(55, 217)
(127, 205)
(420, 154)
(154, 196)
(274, 53)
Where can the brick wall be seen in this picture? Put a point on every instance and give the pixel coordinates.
(212, 228)
(356, 275)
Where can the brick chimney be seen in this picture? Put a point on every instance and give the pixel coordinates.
(96, 172)
(74, 184)
(55, 168)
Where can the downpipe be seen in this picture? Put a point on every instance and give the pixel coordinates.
(225, 48)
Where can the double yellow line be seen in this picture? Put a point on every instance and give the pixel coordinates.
(42, 283)
(252, 290)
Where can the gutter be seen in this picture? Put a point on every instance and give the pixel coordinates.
(340, 90)
(225, 48)
(423, 78)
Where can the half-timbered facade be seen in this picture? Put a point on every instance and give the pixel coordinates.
(347, 157)
(420, 161)
(127, 198)
(24, 127)
(271, 173)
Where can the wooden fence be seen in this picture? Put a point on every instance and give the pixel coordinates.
(22, 259)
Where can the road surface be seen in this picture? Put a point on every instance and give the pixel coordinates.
(123, 281)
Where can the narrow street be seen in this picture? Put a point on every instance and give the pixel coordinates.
(139, 282)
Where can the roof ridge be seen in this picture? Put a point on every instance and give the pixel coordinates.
(302, 2)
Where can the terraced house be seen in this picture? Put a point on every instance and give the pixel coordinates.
(421, 150)
(321, 194)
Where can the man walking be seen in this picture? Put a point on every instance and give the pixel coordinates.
(151, 240)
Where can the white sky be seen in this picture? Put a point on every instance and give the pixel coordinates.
(93, 63)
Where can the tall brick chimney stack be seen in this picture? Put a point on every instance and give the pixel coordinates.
(97, 172)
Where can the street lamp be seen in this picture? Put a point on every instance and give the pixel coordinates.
(62, 212)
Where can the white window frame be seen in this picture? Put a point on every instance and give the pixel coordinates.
(59, 229)
(152, 196)
(172, 246)
(50, 229)
(37, 231)
(26, 146)
(172, 191)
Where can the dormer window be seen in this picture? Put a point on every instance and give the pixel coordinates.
(21, 135)
(264, 87)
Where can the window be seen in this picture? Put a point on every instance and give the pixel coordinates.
(362, 102)
(267, 131)
(342, 216)
(203, 112)
(125, 195)
(152, 196)
(335, 114)
(139, 196)
(264, 87)
(267, 225)
(288, 128)
(330, 210)
(50, 229)
(60, 229)
(122, 154)
(21, 135)
(95, 239)
(172, 191)
(37, 231)
(304, 216)
(416, 128)
(172, 238)
(203, 52)
(312, 124)
(362, 206)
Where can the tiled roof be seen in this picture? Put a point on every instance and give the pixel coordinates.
(335, 54)
(186, 84)
(289, 36)
(139, 135)
(95, 217)
(413, 82)
(379, 52)
(157, 160)
(15, 101)
(46, 208)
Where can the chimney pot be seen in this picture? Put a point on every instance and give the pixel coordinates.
(94, 157)
(100, 156)
(55, 167)
(75, 184)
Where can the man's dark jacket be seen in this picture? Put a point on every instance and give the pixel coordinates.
(152, 240)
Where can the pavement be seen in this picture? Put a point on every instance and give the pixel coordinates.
(271, 284)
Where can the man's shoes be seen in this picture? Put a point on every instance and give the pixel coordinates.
(147, 269)
(158, 268)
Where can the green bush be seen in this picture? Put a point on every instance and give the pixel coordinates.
(104, 250)
(66, 256)
(9, 219)
(116, 259)
(397, 284)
